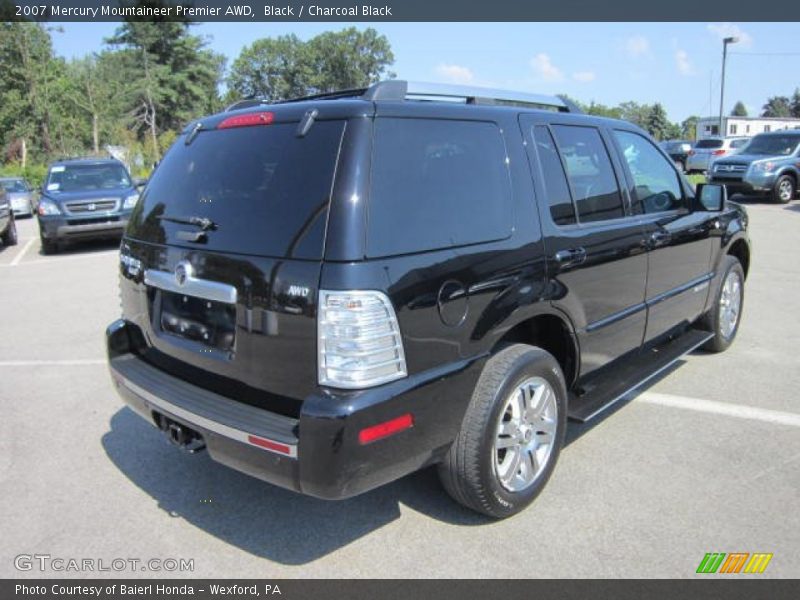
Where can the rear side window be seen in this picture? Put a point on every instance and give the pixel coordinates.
(555, 182)
(706, 144)
(266, 190)
(437, 184)
(591, 176)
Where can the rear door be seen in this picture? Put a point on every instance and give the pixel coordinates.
(221, 260)
(678, 237)
(597, 261)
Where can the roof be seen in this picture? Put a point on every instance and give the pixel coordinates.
(85, 161)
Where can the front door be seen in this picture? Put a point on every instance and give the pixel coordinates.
(678, 237)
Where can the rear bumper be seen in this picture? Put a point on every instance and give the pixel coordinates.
(318, 453)
(63, 228)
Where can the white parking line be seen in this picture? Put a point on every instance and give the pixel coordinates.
(738, 411)
(56, 260)
(22, 252)
(53, 363)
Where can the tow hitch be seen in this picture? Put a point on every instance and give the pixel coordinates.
(179, 435)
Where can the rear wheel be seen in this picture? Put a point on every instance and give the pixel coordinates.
(511, 435)
(723, 319)
(10, 235)
(783, 190)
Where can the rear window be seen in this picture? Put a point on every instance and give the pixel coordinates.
(437, 184)
(709, 144)
(15, 186)
(265, 189)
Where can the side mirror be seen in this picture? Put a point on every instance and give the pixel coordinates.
(712, 196)
(139, 182)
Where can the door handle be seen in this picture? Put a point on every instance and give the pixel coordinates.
(658, 238)
(572, 256)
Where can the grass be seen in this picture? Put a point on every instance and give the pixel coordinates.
(696, 178)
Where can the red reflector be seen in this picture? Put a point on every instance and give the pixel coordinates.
(382, 430)
(269, 444)
(718, 152)
(259, 118)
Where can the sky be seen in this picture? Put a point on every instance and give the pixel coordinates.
(677, 64)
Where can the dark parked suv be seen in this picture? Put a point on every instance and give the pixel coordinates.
(84, 199)
(333, 292)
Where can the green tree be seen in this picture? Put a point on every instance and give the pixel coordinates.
(601, 110)
(271, 68)
(173, 77)
(636, 113)
(739, 110)
(689, 127)
(28, 76)
(285, 67)
(796, 103)
(348, 59)
(656, 122)
(777, 106)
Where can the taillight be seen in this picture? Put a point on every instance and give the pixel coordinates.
(691, 153)
(248, 120)
(718, 152)
(358, 340)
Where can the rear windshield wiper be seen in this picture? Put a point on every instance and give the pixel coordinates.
(203, 223)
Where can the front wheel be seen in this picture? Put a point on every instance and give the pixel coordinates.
(724, 317)
(783, 190)
(10, 235)
(512, 433)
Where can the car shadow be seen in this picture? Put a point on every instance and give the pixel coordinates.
(259, 518)
(86, 247)
(277, 524)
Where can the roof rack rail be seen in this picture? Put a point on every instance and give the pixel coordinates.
(102, 156)
(398, 90)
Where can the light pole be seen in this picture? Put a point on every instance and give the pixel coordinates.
(725, 42)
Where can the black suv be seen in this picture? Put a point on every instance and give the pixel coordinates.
(333, 292)
(85, 198)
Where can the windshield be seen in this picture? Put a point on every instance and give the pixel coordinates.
(773, 145)
(15, 186)
(82, 178)
(709, 144)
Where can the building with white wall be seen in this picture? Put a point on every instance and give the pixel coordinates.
(743, 126)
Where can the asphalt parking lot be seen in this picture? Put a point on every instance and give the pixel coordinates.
(707, 459)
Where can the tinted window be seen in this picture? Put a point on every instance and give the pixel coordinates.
(87, 177)
(590, 173)
(738, 143)
(555, 182)
(656, 182)
(437, 184)
(266, 189)
(709, 144)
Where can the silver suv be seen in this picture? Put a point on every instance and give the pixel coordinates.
(707, 151)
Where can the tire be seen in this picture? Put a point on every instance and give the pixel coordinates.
(784, 189)
(49, 246)
(475, 472)
(10, 235)
(718, 318)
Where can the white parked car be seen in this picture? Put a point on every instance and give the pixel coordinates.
(707, 151)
